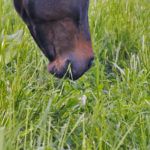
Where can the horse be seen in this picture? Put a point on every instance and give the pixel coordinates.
(61, 30)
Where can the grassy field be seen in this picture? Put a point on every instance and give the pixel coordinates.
(106, 109)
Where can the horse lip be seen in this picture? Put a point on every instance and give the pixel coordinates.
(58, 73)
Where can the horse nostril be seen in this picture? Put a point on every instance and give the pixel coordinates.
(90, 62)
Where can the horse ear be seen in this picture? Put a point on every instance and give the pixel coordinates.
(20, 10)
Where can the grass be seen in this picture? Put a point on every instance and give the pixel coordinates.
(106, 109)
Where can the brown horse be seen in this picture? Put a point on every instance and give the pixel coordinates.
(61, 30)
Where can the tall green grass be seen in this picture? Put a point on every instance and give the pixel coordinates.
(107, 108)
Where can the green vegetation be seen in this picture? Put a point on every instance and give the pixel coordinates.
(107, 108)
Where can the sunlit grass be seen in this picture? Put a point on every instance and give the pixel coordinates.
(107, 108)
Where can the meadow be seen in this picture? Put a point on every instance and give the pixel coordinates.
(106, 109)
